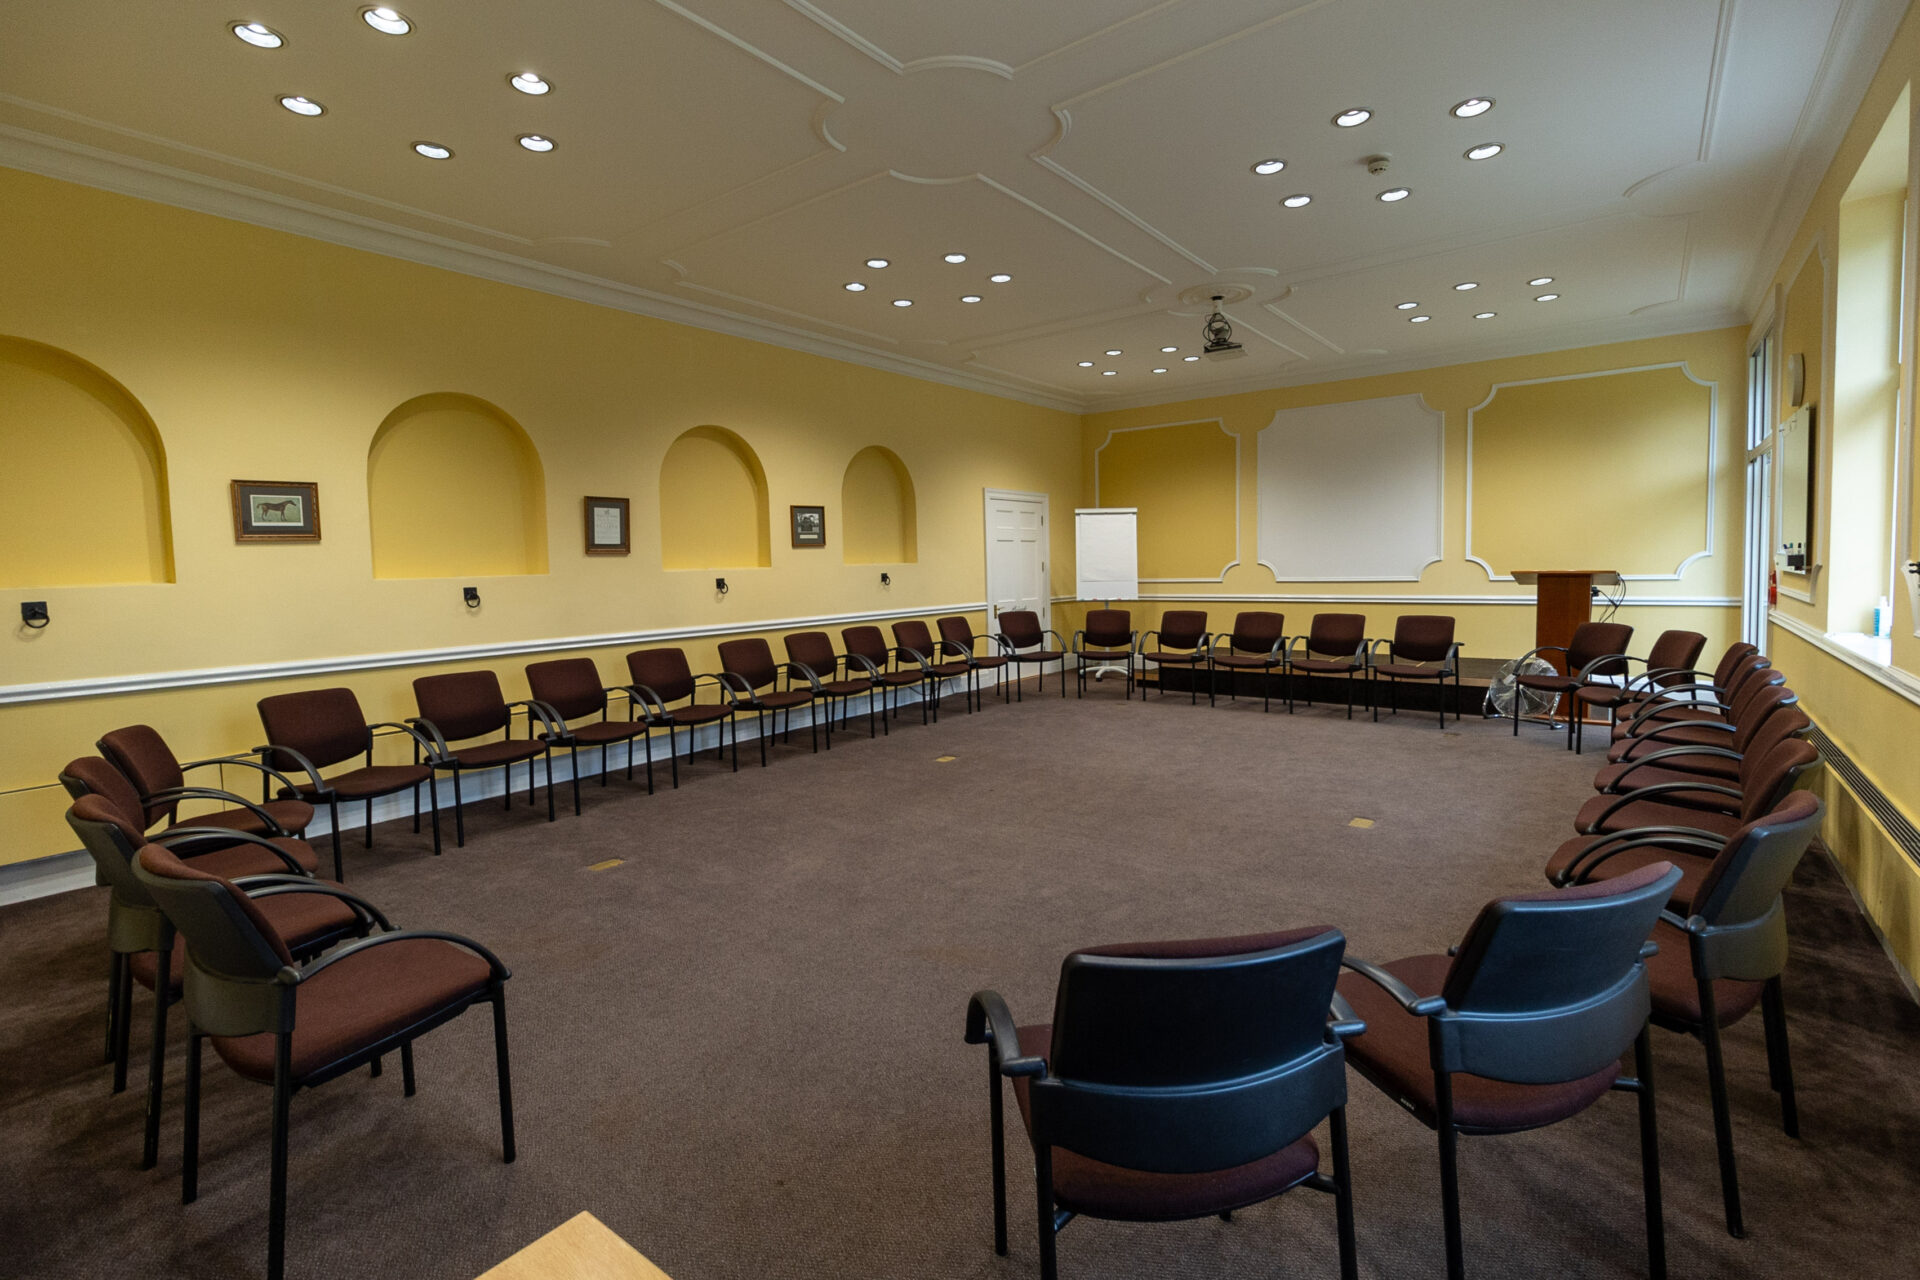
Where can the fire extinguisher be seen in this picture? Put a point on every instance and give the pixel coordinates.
(1773, 587)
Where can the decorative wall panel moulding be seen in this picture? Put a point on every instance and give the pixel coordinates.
(1645, 602)
(1098, 502)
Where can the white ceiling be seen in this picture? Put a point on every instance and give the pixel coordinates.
(733, 163)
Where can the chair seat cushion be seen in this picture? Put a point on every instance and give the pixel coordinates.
(302, 920)
(1406, 671)
(485, 755)
(1326, 666)
(1716, 770)
(783, 699)
(1104, 655)
(361, 1001)
(1549, 683)
(1392, 1053)
(1676, 993)
(1678, 736)
(1246, 661)
(1604, 695)
(948, 670)
(987, 664)
(1175, 658)
(1100, 1190)
(1038, 655)
(1631, 811)
(250, 859)
(700, 713)
(289, 815)
(900, 679)
(595, 732)
(373, 780)
(1692, 867)
(845, 688)
(1652, 813)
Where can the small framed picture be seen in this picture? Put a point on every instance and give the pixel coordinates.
(607, 529)
(275, 511)
(809, 526)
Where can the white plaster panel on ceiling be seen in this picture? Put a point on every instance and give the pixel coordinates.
(1351, 492)
(1054, 358)
(802, 258)
(1010, 32)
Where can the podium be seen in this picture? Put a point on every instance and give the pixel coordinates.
(1563, 599)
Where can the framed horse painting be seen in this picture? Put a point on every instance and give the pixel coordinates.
(275, 511)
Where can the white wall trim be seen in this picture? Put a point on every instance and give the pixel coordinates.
(1649, 602)
(105, 686)
(1713, 460)
(1191, 422)
(1901, 682)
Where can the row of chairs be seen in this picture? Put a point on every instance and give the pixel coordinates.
(1186, 1079)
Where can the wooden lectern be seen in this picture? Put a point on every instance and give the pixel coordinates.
(1563, 599)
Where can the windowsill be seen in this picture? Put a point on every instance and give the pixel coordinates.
(1869, 655)
(1875, 649)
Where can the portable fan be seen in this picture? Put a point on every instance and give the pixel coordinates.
(1505, 692)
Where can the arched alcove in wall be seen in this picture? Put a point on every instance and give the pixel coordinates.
(455, 488)
(878, 524)
(713, 503)
(86, 498)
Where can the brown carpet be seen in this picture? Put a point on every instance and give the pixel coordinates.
(741, 1048)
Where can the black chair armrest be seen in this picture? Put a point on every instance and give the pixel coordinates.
(225, 797)
(1373, 649)
(645, 701)
(733, 698)
(1654, 734)
(1345, 1023)
(1666, 789)
(320, 787)
(1668, 753)
(915, 654)
(1679, 839)
(806, 673)
(245, 760)
(866, 664)
(1405, 996)
(426, 736)
(990, 1022)
(550, 718)
(500, 971)
(1451, 662)
(270, 886)
(1586, 672)
(1058, 643)
(227, 836)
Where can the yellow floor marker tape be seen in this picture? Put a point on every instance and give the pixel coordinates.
(1361, 822)
(945, 759)
(608, 865)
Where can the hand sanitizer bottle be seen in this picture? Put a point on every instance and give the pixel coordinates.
(1882, 619)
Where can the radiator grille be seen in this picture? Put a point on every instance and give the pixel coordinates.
(1890, 818)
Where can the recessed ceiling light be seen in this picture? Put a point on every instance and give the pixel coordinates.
(1546, 297)
(1298, 201)
(969, 297)
(1485, 151)
(258, 34)
(1353, 116)
(1169, 350)
(854, 286)
(955, 258)
(1465, 285)
(1265, 167)
(302, 106)
(527, 82)
(1392, 194)
(1418, 319)
(1001, 278)
(536, 142)
(1472, 107)
(1114, 351)
(903, 302)
(1189, 359)
(1484, 315)
(1405, 306)
(433, 150)
(386, 21)
(1159, 370)
(1086, 364)
(876, 263)
(1537, 281)
(1106, 373)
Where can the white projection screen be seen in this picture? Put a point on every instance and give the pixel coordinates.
(1351, 492)
(1106, 553)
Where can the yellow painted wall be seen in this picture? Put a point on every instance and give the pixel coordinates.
(1802, 333)
(1181, 477)
(879, 522)
(713, 503)
(454, 488)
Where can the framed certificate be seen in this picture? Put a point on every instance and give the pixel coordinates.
(607, 529)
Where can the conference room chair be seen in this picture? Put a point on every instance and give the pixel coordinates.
(661, 677)
(1257, 643)
(146, 950)
(1181, 640)
(97, 775)
(1701, 704)
(1763, 778)
(1107, 638)
(912, 636)
(1683, 761)
(748, 667)
(957, 641)
(1422, 648)
(1727, 955)
(316, 728)
(1669, 664)
(833, 676)
(569, 689)
(140, 753)
(1597, 650)
(296, 1026)
(1522, 1026)
(890, 668)
(1024, 641)
(462, 705)
(1341, 640)
(1762, 697)
(1157, 1095)
(1715, 680)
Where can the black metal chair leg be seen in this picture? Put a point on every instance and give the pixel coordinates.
(1650, 1157)
(1343, 1196)
(277, 1190)
(1722, 1115)
(333, 824)
(122, 1018)
(1773, 1012)
(995, 1124)
(1449, 1177)
(115, 961)
(190, 1122)
(406, 1069)
(367, 828)
(505, 1076)
(433, 803)
(157, 1051)
(459, 815)
(1043, 1187)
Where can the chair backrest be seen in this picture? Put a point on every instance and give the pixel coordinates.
(1257, 631)
(462, 704)
(93, 776)
(664, 671)
(749, 659)
(1109, 628)
(1022, 628)
(1755, 711)
(1182, 628)
(1339, 634)
(1160, 1061)
(912, 634)
(1772, 726)
(1596, 640)
(1766, 778)
(868, 643)
(111, 840)
(1736, 654)
(1422, 637)
(956, 630)
(140, 753)
(570, 686)
(324, 725)
(1739, 896)
(1675, 651)
(234, 954)
(1549, 987)
(814, 651)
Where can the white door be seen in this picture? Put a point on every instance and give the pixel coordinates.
(1017, 575)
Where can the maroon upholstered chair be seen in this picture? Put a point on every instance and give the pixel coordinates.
(140, 753)
(748, 667)
(1181, 640)
(812, 652)
(1669, 664)
(957, 641)
(1154, 1096)
(298, 1026)
(891, 669)
(1760, 697)
(1422, 648)
(1698, 703)
(468, 704)
(1108, 637)
(1695, 762)
(1024, 641)
(1341, 639)
(569, 689)
(1257, 643)
(660, 677)
(1523, 1026)
(1715, 681)
(1597, 649)
(316, 728)
(146, 950)
(236, 853)
(911, 636)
